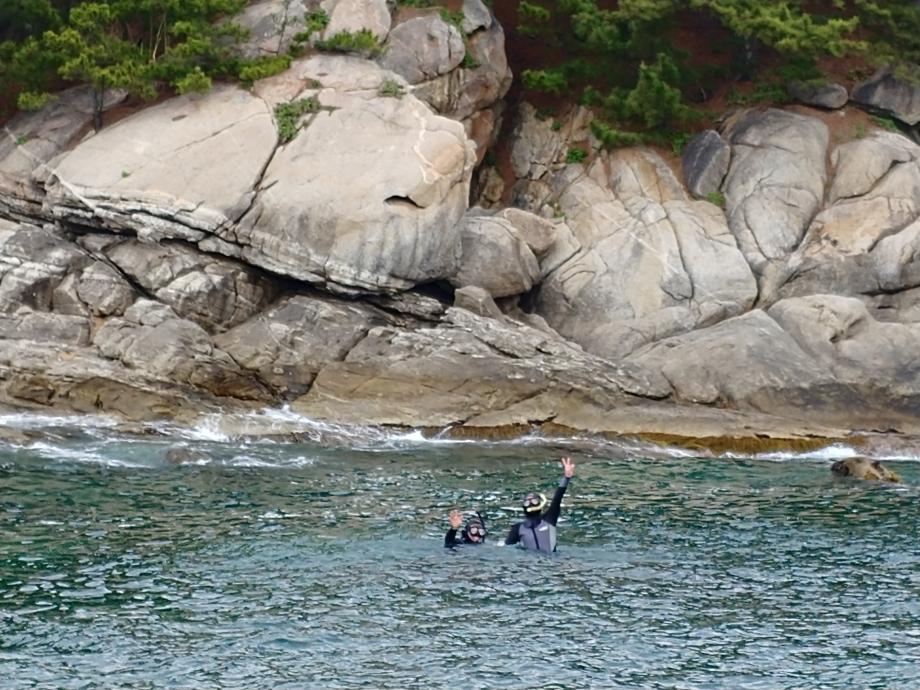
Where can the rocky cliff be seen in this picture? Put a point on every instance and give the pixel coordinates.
(194, 255)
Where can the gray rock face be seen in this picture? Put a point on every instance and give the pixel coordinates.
(357, 15)
(185, 168)
(775, 183)
(890, 95)
(647, 269)
(421, 377)
(152, 339)
(732, 362)
(375, 211)
(45, 327)
(477, 300)
(839, 333)
(423, 48)
(33, 262)
(865, 241)
(103, 290)
(494, 257)
(215, 293)
(476, 16)
(875, 192)
(463, 92)
(288, 344)
(271, 25)
(31, 140)
(705, 162)
(829, 96)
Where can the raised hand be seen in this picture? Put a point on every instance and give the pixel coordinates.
(455, 519)
(568, 467)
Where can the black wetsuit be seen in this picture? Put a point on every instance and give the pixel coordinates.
(451, 540)
(550, 516)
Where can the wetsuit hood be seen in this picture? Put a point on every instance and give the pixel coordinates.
(476, 525)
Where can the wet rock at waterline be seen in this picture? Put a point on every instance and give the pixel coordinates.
(864, 468)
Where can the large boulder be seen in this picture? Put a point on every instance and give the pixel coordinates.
(214, 292)
(840, 334)
(423, 48)
(731, 362)
(484, 80)
(876, 191)
(819, 95)
(33, 263)
(357, 15)
(651, 263)
(185, 168)
(782, 363)
(33, 139)
(866, 242)
(705, 163)
(887, 94)
(373, 211)
(775, 183)
(494, 256)
(288, 344)
(271, 26)
(469, 370)
(151, 339)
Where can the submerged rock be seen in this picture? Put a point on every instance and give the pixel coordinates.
(864, 468)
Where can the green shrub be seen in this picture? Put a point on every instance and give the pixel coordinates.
(390, 88)
(316, 20)
(886, 123)
(362, 42)
(263, 67)
(533, 20)
(455, 18)
(288, 116)
(551, 81)
(29, 100)
(196, 80)
(576, 155)
(468, 61)
(654, 101)
(716, 197)
(611, 137)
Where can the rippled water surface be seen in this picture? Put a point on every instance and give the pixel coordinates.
(279, 565)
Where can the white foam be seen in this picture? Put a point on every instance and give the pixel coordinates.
(32, 420)
(84, 454)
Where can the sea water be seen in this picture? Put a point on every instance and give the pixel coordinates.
(187, 558)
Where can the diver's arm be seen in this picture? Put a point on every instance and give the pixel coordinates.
(552, 514)
(514, 535)
(450, 539)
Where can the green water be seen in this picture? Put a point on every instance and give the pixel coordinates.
(298, 566)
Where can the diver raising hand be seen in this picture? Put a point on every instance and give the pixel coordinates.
(473, 533)
(537, 531)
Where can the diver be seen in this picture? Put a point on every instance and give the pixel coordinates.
(473, 533)
(537, 531)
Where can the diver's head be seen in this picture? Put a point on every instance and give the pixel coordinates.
(534, 504)
(475, 530)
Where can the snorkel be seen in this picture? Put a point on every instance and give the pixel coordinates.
(475, 527)
(534, 504)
